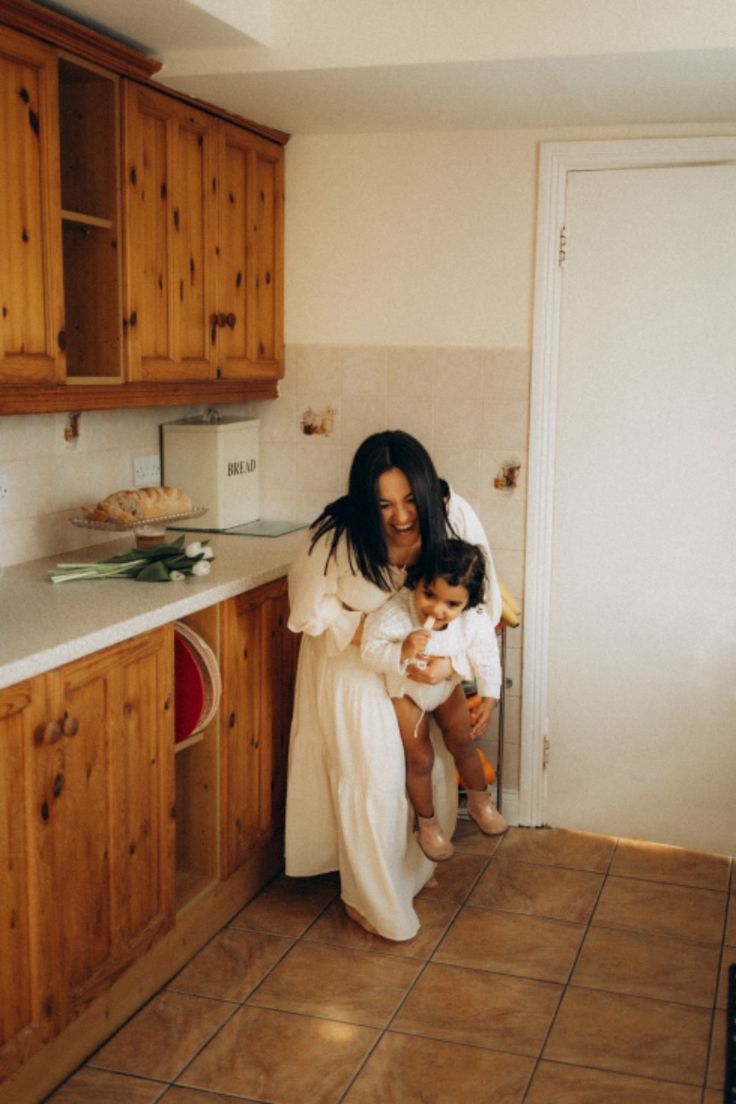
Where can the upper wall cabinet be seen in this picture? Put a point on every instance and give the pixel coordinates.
(204, 249)
(32, 338)
(141, 253)
(169, 171)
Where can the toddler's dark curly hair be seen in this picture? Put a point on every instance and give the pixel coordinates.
(460, 564)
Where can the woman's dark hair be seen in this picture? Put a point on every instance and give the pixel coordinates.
(358, 515)
(460, 564)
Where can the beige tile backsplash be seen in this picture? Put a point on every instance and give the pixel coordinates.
(468, 406)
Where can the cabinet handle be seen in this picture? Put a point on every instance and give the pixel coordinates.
(231, 720)
(230, 321)
(52, 733)
(221, 320)
(71, 725)
(61, 338)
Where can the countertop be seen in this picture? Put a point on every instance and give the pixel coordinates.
(46, 624)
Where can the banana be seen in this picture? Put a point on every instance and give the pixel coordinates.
(510, 608)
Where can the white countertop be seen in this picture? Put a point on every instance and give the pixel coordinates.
(45, 624)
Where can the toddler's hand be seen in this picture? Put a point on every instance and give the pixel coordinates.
(415, 644)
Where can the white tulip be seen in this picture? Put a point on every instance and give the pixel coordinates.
(194, 549)
(207, 553)
(201, 568)
(176, 576)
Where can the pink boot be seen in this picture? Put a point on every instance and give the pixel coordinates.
(431, 839)
(488, 818)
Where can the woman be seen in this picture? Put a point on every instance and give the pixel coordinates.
(347, 807)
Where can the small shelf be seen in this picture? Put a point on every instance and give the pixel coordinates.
(190, 740)
(87, 220)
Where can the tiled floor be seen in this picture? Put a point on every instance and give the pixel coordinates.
(552, 967)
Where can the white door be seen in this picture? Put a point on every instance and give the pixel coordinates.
(641, 671)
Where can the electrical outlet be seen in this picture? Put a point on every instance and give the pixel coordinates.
(4, 490)
(146, 471)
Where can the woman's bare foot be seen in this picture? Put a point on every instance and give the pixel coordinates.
(358, 919)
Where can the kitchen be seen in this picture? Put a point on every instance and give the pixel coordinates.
(443, 224)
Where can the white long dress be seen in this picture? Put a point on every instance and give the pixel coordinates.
(347, 807)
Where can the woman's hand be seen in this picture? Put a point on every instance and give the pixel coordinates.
(481, 712)
(437, 669)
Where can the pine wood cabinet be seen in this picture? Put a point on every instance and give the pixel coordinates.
(87, 840)
(31, 311)
(203, 207)
(122, 853)
(141, 253)
(258, 663)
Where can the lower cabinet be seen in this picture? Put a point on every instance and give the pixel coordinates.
(122, 853)
(86, 833)
(258, 665)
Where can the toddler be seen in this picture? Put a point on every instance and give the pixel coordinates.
(440, 616)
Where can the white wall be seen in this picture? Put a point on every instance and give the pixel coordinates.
(419, 239)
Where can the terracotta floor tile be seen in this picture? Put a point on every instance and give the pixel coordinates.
(178, 1095)
(405, 1069)
(558, 847)
(456, 877)
(334, 928)
(163, 1036)
(648, 966)
(527, 946)
(555, 1084)
(284, 1059)
(658, 863)
(469, 839)
(550, 891)
(631, 1035)
(662, 909)
(712, 1097)
(231, 964)
(92, 1086)
(337, 983)
(479, 1008)
(288, 905)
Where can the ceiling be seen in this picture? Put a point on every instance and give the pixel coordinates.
(331, 66)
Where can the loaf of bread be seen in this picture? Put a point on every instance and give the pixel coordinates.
(142, 504)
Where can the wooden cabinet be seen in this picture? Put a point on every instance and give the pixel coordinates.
(259, 660)
(122, 853)
(142, 259)
(169, 170)
(248, 323)
(204, 251)
(31, 293)
(25, 1022)
(87, 841)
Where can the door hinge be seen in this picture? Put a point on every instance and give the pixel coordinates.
(562, 252)
(545, 753)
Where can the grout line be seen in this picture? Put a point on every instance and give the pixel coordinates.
(566, 985)
(420, 973)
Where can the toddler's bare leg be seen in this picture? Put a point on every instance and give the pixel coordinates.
(419, 754)
(453, 718)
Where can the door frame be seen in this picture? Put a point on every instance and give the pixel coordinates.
(556, 160)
